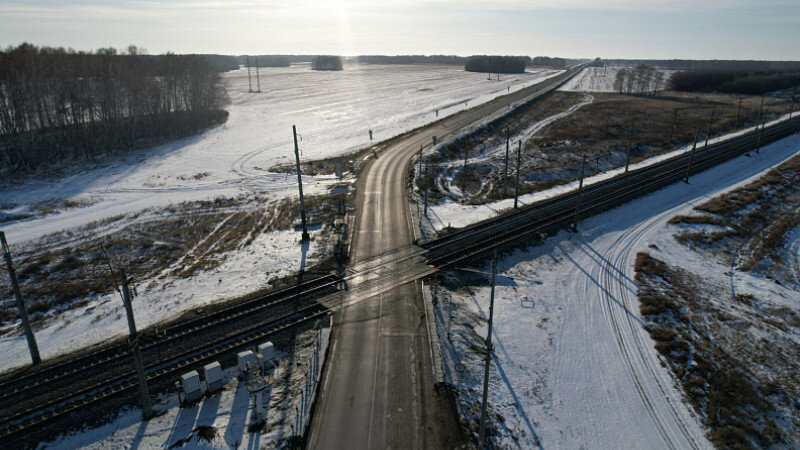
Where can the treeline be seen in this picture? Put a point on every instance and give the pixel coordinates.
(639, 80)
(222, 63)
(495, 64)
(734, 81)
(547, 61)
(57, 104)
(714, 64)
(412, 59)
(267, 61)
(326, 62)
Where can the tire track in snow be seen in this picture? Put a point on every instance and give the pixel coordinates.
(613, 265)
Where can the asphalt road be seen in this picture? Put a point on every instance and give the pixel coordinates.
(378, 387)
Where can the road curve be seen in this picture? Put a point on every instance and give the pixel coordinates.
(377, 390)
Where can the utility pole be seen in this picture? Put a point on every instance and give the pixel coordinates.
(758, 122)
(791, 104)
(710, 120)
(249, 81)
(505, 171)
(691, 156)
(482, 431)
(674, 122)
(258, 78)
(147, 410)
(300, 185)
(630, 143)
(425, 210)
(420, 160)
(738, 110)
(23, 313)
(516, 184)
(580, 194)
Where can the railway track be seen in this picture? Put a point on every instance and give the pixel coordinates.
(560, 211)
(21, 397)
(313, 299)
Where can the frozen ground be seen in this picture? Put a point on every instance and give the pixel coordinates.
(333, 112)
(573, 367)
(222, 420)
(601, 79)
(449, 213)
(244, 269)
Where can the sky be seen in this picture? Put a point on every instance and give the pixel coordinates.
(655, 29)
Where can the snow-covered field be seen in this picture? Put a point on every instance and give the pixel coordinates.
(601, 79)
(573, 366)
(333, 112)
(449, 213)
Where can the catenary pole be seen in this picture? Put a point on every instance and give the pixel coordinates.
(300, 185)
(710, 121)
(516, 183)
(630, 143)
(505, 170)
(23, 313)
(144, 392)
(488, 359)
(691, 155)
(674, 122)
(580, 194)
(738, 111)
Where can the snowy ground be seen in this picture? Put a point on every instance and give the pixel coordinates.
(601, 79)
(224, 418)
(573, 367)
(449, 213)
(333, 112)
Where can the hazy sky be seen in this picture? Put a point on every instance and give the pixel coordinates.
(722, 29)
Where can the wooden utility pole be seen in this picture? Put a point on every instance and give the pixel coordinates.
(300, 185)
(710, 121)
(791, 104)
(488, 359)
(516, 183)
(691, 156)
(144, 392)
(580, 194)
(674, 122)
(505, 170)
(258, 78)
(23, 313)
(628, 152)
(249, 81)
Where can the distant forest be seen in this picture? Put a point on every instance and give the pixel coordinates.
(326, 62)
(714, 64)
(547, 61)
(267, 61)
(735, 81)
(495, 64)
(58, 104)
(412, 59)
(452, 59)
(639, 80)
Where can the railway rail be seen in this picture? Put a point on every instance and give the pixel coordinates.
(315, 298)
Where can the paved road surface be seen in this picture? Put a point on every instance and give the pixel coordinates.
(378, 388)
